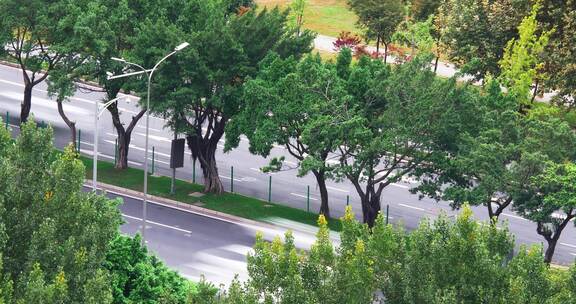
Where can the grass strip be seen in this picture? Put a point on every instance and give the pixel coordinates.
(230, 203)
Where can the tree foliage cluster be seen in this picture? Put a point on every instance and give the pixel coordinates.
(372, 125)
(442, 261)
(59, 244)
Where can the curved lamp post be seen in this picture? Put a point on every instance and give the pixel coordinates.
(149, 74)
(98, 110)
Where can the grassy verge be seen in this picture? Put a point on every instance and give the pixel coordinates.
(326, 17)
(230, 203)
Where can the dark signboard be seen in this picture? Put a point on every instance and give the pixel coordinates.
(177, 153)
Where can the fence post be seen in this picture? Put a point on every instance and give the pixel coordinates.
(232, 179)
(7, 119)
(270, 189)
(79, 137)
(194, 171)
(115, 152)
(387, 212)
(308, 199)
(153, 160)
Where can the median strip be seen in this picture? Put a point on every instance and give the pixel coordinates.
(227, 203)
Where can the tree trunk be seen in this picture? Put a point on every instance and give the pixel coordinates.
(535, 90)
(495, 214)
(205, 152)
(26, 105)
(321, 180)
(370, 208)
(378, 47)
(69, 123)
(124, 134)
(550, 250)
(552, 237)
(385, 52)
(436, 64)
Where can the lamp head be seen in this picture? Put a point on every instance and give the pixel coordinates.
(181, 46)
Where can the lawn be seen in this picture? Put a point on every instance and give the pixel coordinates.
(230, 203)
(326, 17)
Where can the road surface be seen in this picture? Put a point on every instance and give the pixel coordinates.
(196, 245)
(287, 188)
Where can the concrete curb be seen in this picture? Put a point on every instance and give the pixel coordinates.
(165, 202)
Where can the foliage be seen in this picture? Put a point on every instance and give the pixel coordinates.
(289, 103)
(550, 201)
(496, 157)
(137, 277)
(56, 234)
(522, 57)
(559, 57)
(224, 52)
(379, 18)
(421, 10)
(402, 119)
(477, 31)
(442, 261)
(346, 40)
(40, 35)
(296, 17)
(416, 34)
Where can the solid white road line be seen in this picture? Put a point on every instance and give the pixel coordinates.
(411, 207)
(91, 153)
(151, 129)
(400, 186)
(158, 224)
(336, 189)
(154, 137)
(304, 196)
(514, 216)
(228, 177)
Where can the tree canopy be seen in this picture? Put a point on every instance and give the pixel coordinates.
(224, 50)
(379, 18)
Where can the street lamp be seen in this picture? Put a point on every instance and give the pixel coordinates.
(148, 73)
(97, 113)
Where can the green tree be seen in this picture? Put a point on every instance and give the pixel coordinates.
(416, 34)
(122, 28)
(235, 5)
(224, 51)
(477, 31)
(31, 36)
(297, 14)
(522, 56)
(57, 235)
(498, 154)
(285, 104)
(138, 277)
(559, 72)
(90, 37)
(421, 10)
(401, 120)
(442, 261)
(550, 201)
(461, 259)
(379, 18)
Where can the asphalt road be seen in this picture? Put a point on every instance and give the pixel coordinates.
(196, 245)
(287, 188)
